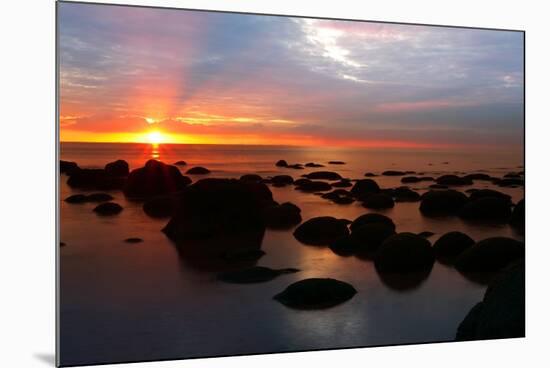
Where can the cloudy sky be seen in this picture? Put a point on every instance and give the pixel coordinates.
(129, 74)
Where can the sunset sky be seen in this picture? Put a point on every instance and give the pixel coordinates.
(158, 75)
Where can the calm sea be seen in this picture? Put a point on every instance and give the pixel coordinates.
(127, 302)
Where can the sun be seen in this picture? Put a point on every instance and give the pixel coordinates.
(155, 137)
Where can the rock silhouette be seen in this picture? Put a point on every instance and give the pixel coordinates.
(364, 187)
(371, 218)
(490, 255)
(180, 163)
(323, 175)
(67, 167)
(378, 201)
(404, 253)
(159, 207)
(442, 202)
(451, 245)
(108, 209)
(316, 293)
(453, 180)
(198, 170)
(117, 168)
(492, 209)
(281, 216)
(314, 186)
(252, 178)
(155, 179)
(321, 230)
(133, 240)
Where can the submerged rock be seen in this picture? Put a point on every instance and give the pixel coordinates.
(478, 176)
(378, 201)
(337, 162)
(323, 175)
(281, 163)
(155, 179)
(405, 194)
(453, 180)
(501, 314)
(442, 202)
(252, 178)
(117, 168)
(451, 245)
(316, 293)
(198, 170)
(339, 196)
(253, 275)
(404, 253)
(160, 207)
(281, 216)
(180, 163)
(490, 255)
(371, 218)
(282, 180)
(342, 184)
(492, 209)
(67, 167)
(77, 198)
(108, 209)
(364, 187)
(517, 220)
(370, 175)
(416, 179)
(133, 240)
(369, 237)
(314, 186)
(484, 193)
(216, 215)
(393, 173)
(321, 230)
(313, 164)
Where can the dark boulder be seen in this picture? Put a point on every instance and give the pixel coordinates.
(492, 209)
(154, 179)
(415, 179)
(314, 186)
(343, 246)
(404, 253)
(282, 180)
(216, 215)
(501, 314)
(108, 209)
(281, 216)
(451, 245)
(198, 170)
(68, 167)
(405, 194)
(490, 255)
(342, 184)
(438, 186)
(77, 198)
(370, 175)
(337, 162)
(302, 181)
(517, 220)
(252, 178)
(364, 187)
(478, 176)
(393, 173)
(253, 275)
(117, 168)
(509, 182)
(371, 218)
(95, 179)
(339, 196)
(369, 237)
(484, 193)
(316, 293)
(512, 175)
(453, 180)
(295, 166)
(426, 234)
(323, 175)
(313, 164)
(321, 230)
(180, 163)
(442, 202)
(281, 163)
(160, 207)
(378, 201)
(133, 240)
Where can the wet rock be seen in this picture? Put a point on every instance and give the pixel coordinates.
(364, 187)
(478, 176)
(378, 201)
(404, 253)
(451, 245)
(133, 240)
(155, 179)
(371, 218)
(442, 202)
(281, 216)
(339, 196)
(453, 180)
(316, 293)
(313, 164)
(68, 167)
(252, 178)
(77, 198)
(323, 175)
(508, 182)
(160, 207)
(180, 163)
(370, 175)
(337, 162)
(108, 209)
(415, 179)
(243, 254)
(342, 184)
(282, 180)
(490, 255)
(321, 230)
(281, 163)
(484, 193)
(492, 209)
(314, 186)
(426, 234)
(517, 220)
(295, 166)
(99, 197)
(405, 194)
(253, 275)
(369, 237)
(117, 168)
(198, 170)
(302, 181)
(216, 215)
(393, 173)
(344, 246)
(501, 314)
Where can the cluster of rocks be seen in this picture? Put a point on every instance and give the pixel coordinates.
(285, 164)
